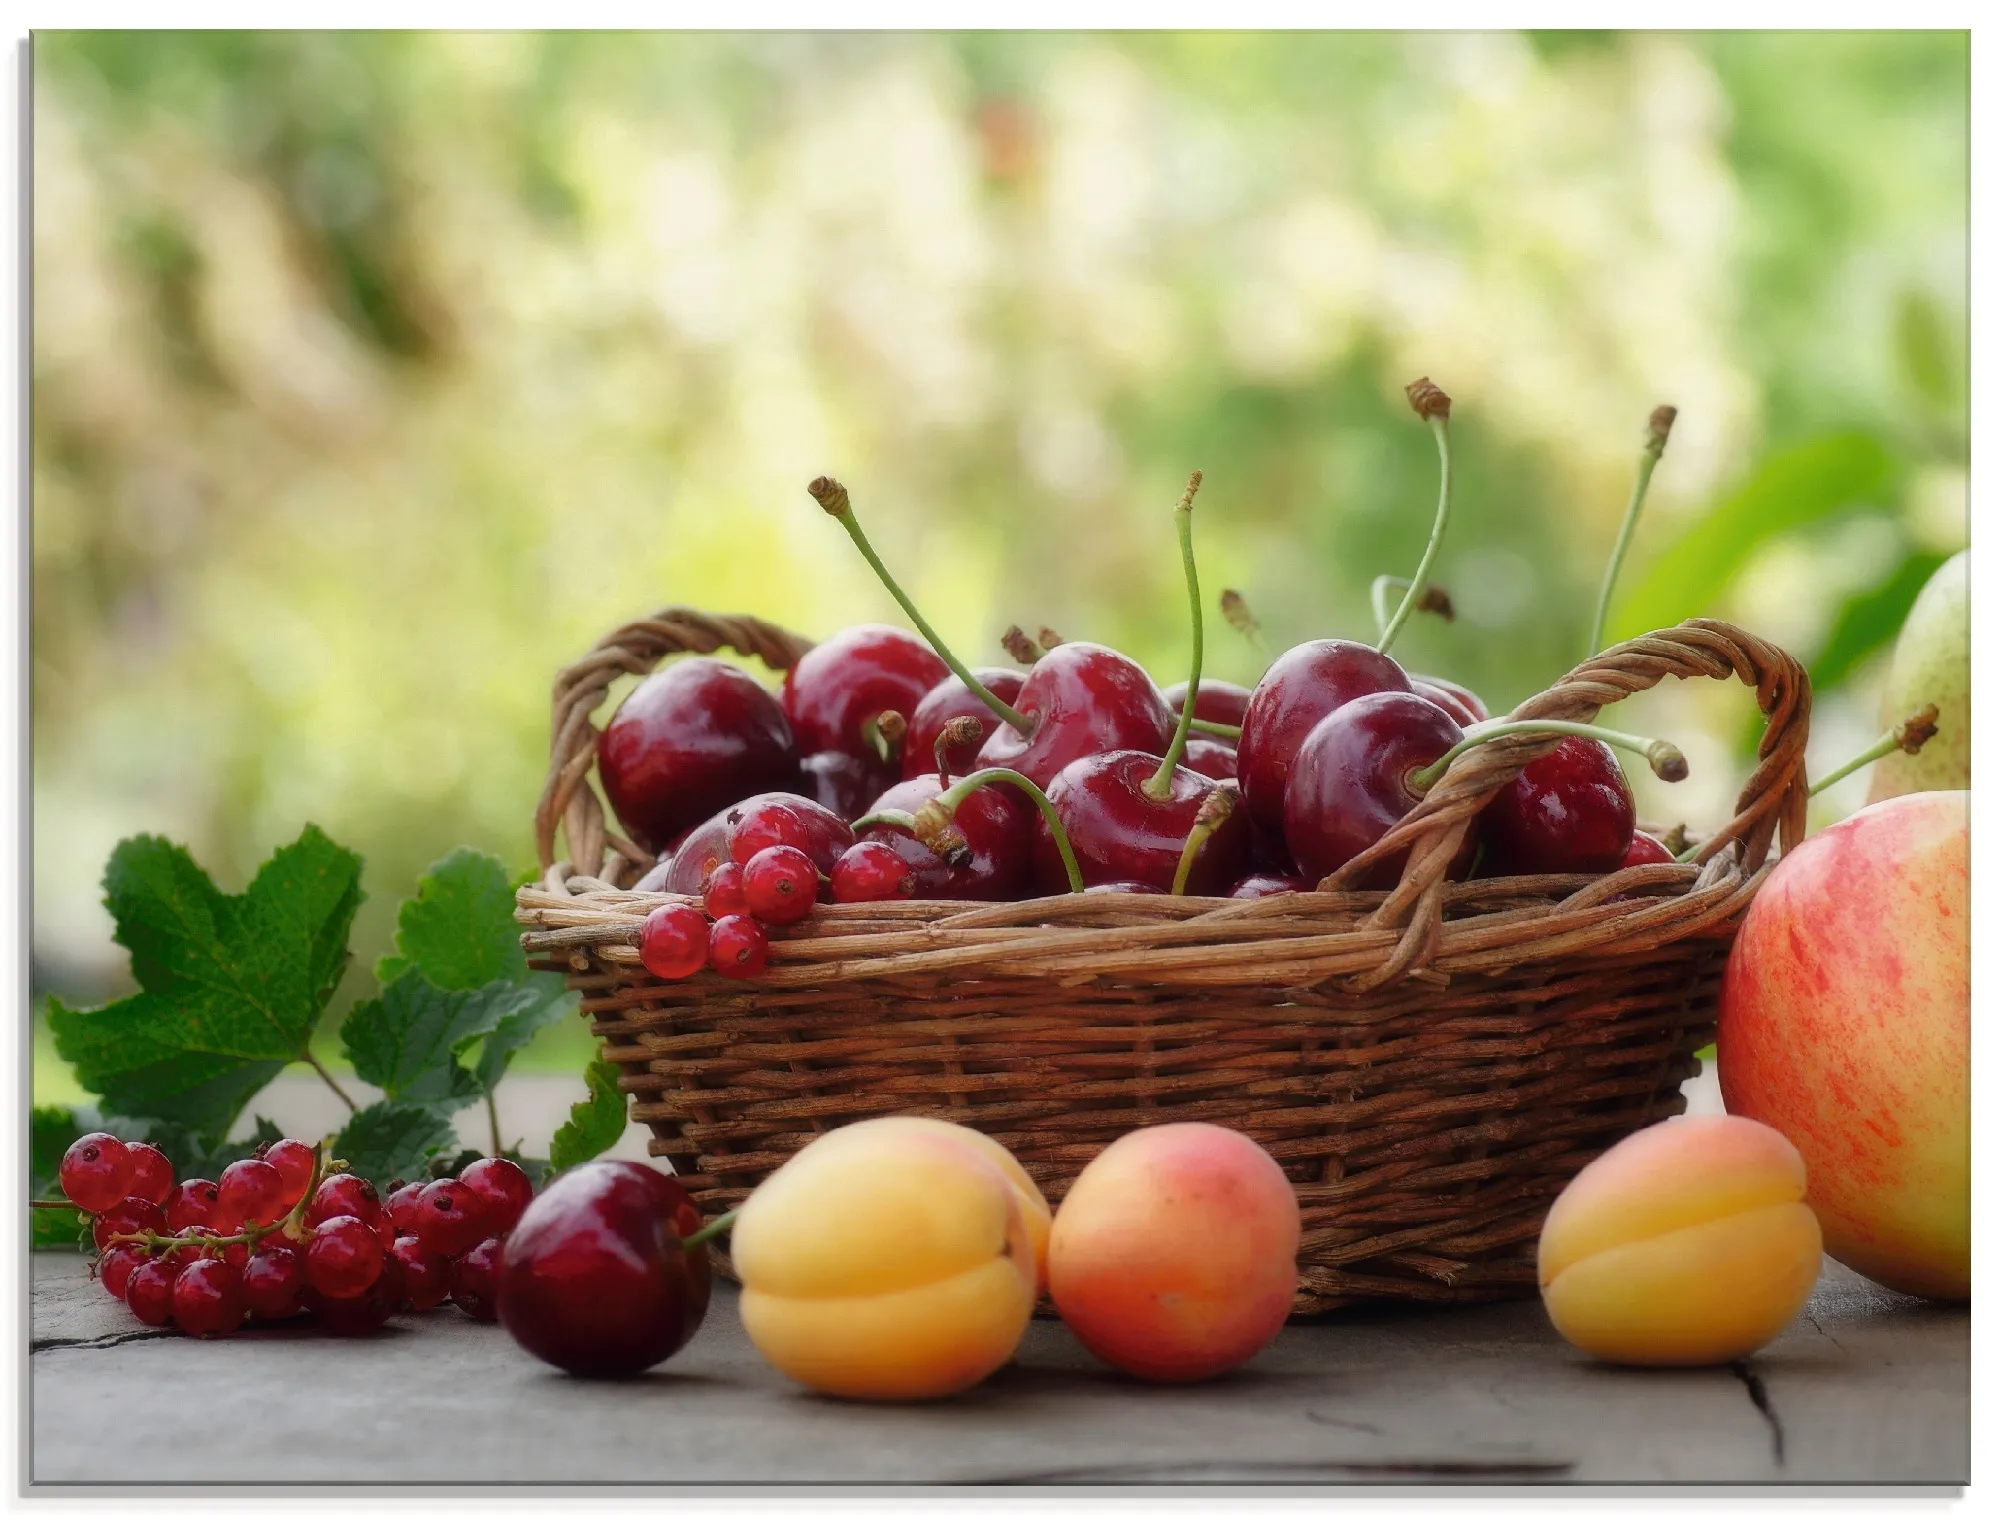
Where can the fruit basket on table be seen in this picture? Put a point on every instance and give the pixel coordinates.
(1429, 1064)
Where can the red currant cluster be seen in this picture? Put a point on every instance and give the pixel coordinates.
(891, 770)
(285, 1232)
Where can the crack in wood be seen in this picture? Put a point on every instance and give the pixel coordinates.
(1760, 1396)
(96, 1343)
(1523, 1469)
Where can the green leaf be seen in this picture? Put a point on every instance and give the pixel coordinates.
(595, 1124)
(551, 1000)
(387, 1141)
(231, 986)
(1872, 619)
(407, 1042)
(459, 929)
(52, 1131)
(1790, 490)
(52, 1229)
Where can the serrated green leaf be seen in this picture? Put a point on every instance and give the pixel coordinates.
(1791, 489)
(52, 1131)
(231, 986)
(386, 1141)
(49, 1230)
(459, 929)
(1872, 618)
(594, 1124)
(551, 1001)
(407, 1041)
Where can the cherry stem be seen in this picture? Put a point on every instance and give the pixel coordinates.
(1020, 647)
(1236, 611)
(1663, 756)
(1434, 406)
(1657, 426)
(901, 819)
(695, 1240)
(933, 827)
(1161, 784)
(833, 499)
(1213, 728)
(54, 1204)
(1216, 807)
(1908, 737)
(1434, 600)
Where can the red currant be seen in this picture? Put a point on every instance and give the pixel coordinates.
(401, 1206)
(502, 1186)
(475, 1281)
(451, 1219)
(294, 1162)
(127, 1218)
(872, 871)
(737, 947)
(723, 893)
(149, 1292)
(274, 1284)
(343, 1257)
(236, 1256)
(115, 1267)
(780, 885)
(762, 826)
(673, 942)
(193, 1203)
(252, 1193)
(208, 1298)
(365, 1313)
(426, 1276)
(344, 1194)
(152, 1174)
(96, 1172)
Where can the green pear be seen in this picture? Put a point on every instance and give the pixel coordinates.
(1932, 666)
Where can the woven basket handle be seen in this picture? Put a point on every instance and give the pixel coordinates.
(1774, 799)
(568, 802)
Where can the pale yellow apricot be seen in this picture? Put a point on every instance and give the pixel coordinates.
(1034, 1206)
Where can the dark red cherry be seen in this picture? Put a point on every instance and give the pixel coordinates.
(707, 846)
(834, 691)
(1118, 831)
(1568, 812)
(787, 821)
(1646, 848)
(1304, 685)
(1455, 698)
(1350, 780)
(689, 740)
(1255, 886)
(1210, 755)
(1219, 701)
(844, 783)
(1085, 699)
(595, 1279)
(998, 824)
(948, 699)
(1123, 886)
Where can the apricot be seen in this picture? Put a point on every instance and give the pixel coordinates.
(890, 1259)
(1174, 1256)
(1687, 1244)
(1034, 1206)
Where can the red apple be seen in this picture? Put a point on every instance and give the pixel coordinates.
(1846, 1024)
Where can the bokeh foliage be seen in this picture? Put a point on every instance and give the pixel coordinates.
(375, 375)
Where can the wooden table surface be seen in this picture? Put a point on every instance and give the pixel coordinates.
(1867, 1386)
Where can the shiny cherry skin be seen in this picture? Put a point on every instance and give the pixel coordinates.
(1123, 886)
(1303, 686)
(844, 783)
(673, 943)
(595, 1279)
(1430, 686)
(1118, 831)
(1211, 756)
(695, 736)
(998, 824)
(707, 846)
(738, 946)
(1255, 886)
(832, 692)
(723, 895)
(1349, 781)
(1084, 699)
(1568, 812)
(870, 871)
(503, 1188)
(1219, 701)
(1646, 848)
(946, 700)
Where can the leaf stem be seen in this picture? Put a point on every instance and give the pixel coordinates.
(1657, 426)
(320, 1068)
(1434, 406)
(1161, 784)
(1663, 756)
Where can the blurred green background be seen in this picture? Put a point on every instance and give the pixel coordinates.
(376, 375)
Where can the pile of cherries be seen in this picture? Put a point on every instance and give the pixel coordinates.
(283, 1233)
(886, 769)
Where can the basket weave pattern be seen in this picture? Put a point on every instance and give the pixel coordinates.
(1429, 1065)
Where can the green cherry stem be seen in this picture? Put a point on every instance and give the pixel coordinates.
(1434, 405)
(833, 499)
(1214, 728)
(1216, 808)
(1161, 784)
(694, 1241)
(1433, 599)
(902, 820)
(1662, 756)
(1657, 426)
(1908, 737)
(933, 821)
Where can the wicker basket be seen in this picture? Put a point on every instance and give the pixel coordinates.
(1429, 1065)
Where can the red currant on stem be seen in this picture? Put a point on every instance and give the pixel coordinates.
(152, 1174)
(126, 1218)
(723, 893)
(192, 1204)
(737, 947)
(673, 943)
(209, 1298)
(502, 1188)
(115, 1266)
(779, 885)
(344, 1194)
(296, 1163)
(251, 1192)
(343, 1257)
(149, 1292)
(451, 1218)
(426, 1276)
(274, 1283)
(96, 1171)
(475, 1281)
